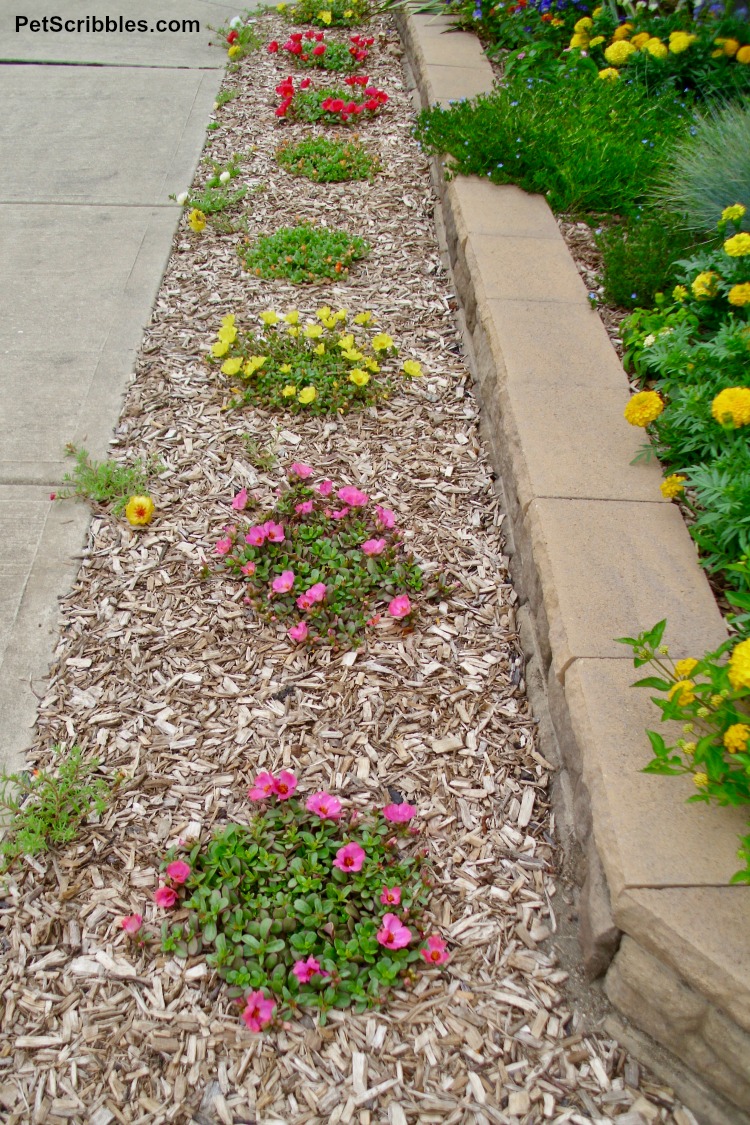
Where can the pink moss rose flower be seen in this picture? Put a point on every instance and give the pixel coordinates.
(393, 933)
(300, 470)
(284, 785)
(178, 871)
(263, 787)
(374, 546)
(258, 1011)
(349, 858)
(248, 569)
(298, 632)
(223, 547)
(353, 497)
(317, 592)
(304, 971)
(274, 531)
(256, 536)
(304, 508)
(435, 952)
(386, 518)
(339, 514)
(132, 924)
(240, 501)
(391, 896)
(400, 606)
(283, 583)
(399, 814)
(325, 488)
(304, 602)
(326, 806)
(165, 897)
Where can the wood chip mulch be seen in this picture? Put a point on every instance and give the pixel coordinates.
(164, 674)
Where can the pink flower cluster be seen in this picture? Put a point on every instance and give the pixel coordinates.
(177, 873)
(258, 1011)
(360, 45)
(304, 971)
(300, 44)
(266, 785)
(259, 533)
(286, 92)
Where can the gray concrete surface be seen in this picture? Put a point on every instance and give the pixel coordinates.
(89, 155)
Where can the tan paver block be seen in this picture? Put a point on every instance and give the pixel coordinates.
(446, 84)
(480, 207)
(610, 568)
(702, 933)
(454, 48)
(646, 835)
(423, 27)
(531, 269)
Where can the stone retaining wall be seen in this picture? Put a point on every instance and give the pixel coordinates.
(597, 554)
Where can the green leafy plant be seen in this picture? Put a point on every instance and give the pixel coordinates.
(105, 482)
(45, 809)
(711, 699)
(305, 906)
(304, 253)
(262, 455)
(240, 39)
(328, 161)
(320, 367)
(708, 167)
(326, 13)
(324, 564)
(224, 97)
(580, 143)
(639, 256)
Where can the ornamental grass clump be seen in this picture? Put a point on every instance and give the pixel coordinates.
(328, 161)
(710, 698)
(330, 106)
(303, 254)
(324, 563)
(326, 365)
(308, 906)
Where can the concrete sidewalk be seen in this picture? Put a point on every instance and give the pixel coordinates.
(90, 154)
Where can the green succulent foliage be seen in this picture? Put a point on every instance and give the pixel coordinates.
(328, 161)
(262, 896)
(45, 809)
(304, 254)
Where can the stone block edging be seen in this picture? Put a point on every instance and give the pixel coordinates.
(597, 553)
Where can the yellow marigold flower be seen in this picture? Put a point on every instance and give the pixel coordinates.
(359, 377)
(254, 363)
(679, 293)
(743, 56)
(220, 349)
(292, 317)
(196, 220)
(412, 368)
(736, 737)
(739, 666)
(732, 406)
(716, 701)
(320, 349)
(363, 318)
(643, 408)
(609, 74)
(705, 286)
(656, 48)
(739, 295)
(270, 317)
(348, 14)
(700, 779)
(729, 47)
(234, 50)
(583, 24)
(596, 41)
(139, 511)
(683, 668)
(683, 690)
(382, 342)
(672, 486)
(579, 41)
(738, 245)
(325, 17)
(641, 39)
(733, 213)
(313, 331)
(289, 390)
(307, 395)
(679, 41)
(231, 366)
(621, 32)
(345, 341)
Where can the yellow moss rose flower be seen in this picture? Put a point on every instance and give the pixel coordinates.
(270, 317)
(292, 317)
(412, 368)
(683, 668)
(733, 213)
(736, 737)
(738, 245)
(656, 48)
(254, 363)
(307, 395)
(672, 486)
(739, 666)
(313, 331)
(739, 295)
(320, 349)
(732, 406)
(220, 349)
(231, 366)
(643, 408)
(325, 17)
(196, 220)
(363, 318)
(682, 691)
(234, 50)
(705, 286)
(139, 511)
(382, 342)
(359, 377)
(289, 390)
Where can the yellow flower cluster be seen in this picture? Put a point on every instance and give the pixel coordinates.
(683, 692)
(679, 41)
(732, 406)
(736, 737)
(684, 668)
(643, 408)
(739, 666)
